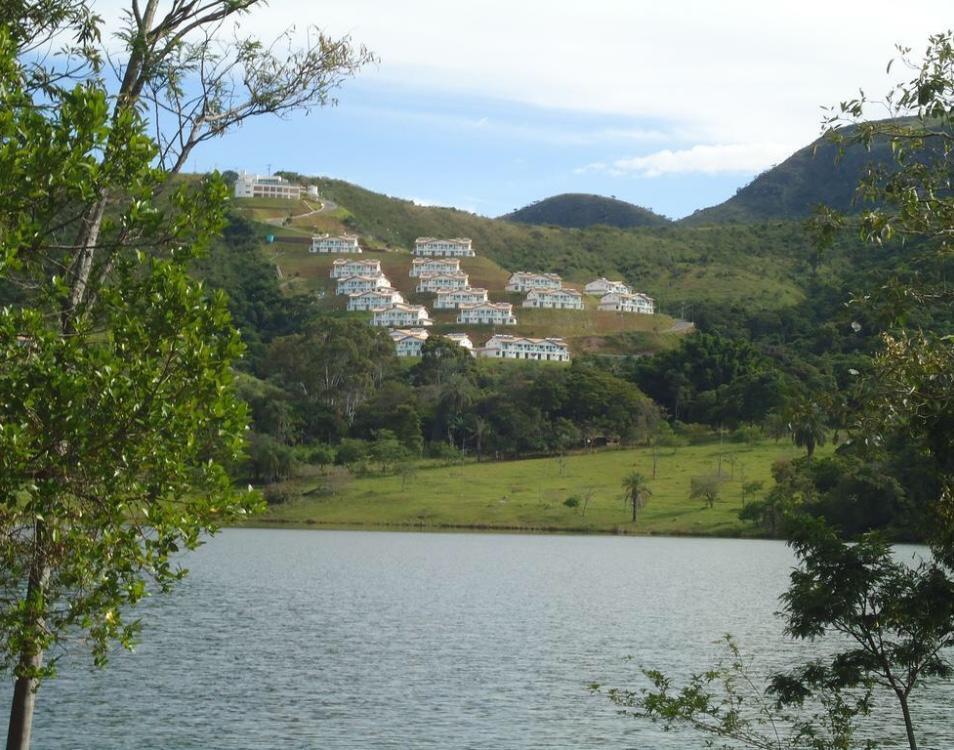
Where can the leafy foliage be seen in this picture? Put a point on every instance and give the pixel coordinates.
(578, 211)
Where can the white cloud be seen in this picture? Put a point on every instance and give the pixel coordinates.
(730, 72)
(700, 159)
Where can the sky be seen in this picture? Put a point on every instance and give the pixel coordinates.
(488, 105)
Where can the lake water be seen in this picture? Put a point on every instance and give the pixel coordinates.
(333, 640)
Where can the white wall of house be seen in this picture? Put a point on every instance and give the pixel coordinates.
(503, 346)
(631, 303)
(439, 282)
(421, 266)
(487, 313)
(354, 284)
(451, 300)
(603, 285)
(345, 243)
(256, 186)
(455, 248)
(408, 343)
(524, 281)
(342, 269)
(376, 298)
(400, 315)
(554, 299)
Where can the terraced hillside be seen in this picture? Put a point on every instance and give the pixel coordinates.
(304, 272)
(759, 266)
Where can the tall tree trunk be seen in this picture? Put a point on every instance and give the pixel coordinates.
(908, 725)
(31, 657)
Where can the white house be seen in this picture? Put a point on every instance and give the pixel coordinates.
(633, 303)
(354, 284)
(556, 299)
(408, 341)
(256, 186)
(454, 298)
(461, 339)
(374, 299)
(421, 266)
(401, 315)
(487, 313)
(503, 346)
(437, 282)
(604, 286)
(342, 268)
(524, 281)
(343, 243)
(453, 248)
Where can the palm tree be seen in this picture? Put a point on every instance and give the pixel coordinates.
(806, 422)
(637, 492)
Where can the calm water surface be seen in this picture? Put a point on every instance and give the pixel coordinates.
(333, 640)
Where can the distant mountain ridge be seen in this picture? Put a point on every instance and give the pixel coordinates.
(816, 174)
(581, 210)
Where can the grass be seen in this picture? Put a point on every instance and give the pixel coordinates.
(529, 495)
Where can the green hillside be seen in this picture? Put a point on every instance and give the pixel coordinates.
(815, 174)
(588, 330)
(579, 210)
(761, 266)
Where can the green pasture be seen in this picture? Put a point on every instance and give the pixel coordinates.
(530, 495)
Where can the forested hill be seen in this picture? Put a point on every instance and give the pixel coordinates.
(579, 210)
(811, 176)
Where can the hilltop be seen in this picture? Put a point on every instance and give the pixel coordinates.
(816, 174)
(580, 210)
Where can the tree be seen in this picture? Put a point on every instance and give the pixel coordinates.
(806, 423)
(898, 618)
(894, 621)
(118, 417)
(637, 492)
(705, 487)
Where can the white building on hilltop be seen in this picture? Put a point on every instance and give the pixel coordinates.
(421, 266)
(343, 243)
(631, 303)
(438, 282)
(604, 286)
(355, 284)
(454, 298)
(342, 269)
(408, 341)
(503, 346)
(487, 313)
(256, 186)
(524, 281)
(400, 316)
(453, 248)
(554, 299)
(374, 299)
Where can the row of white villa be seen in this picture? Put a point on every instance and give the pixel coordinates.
(408, 342)
(340, 243)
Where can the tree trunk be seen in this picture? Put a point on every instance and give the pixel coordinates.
(24, 700)
(31, 657)
(908, 726)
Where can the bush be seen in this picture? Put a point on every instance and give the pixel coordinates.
(747, 433)
(321, 455)
(351, 451)
(693, 432)
(572, 502)
(275, 495)
(268, 460)
(442, 450)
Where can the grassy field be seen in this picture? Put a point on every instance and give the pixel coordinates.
(529, 495)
